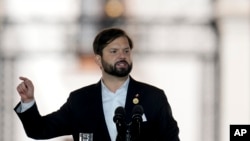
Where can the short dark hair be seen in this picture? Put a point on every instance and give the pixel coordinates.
(106, 36)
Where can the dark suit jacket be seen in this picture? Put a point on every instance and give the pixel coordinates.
(83, 112)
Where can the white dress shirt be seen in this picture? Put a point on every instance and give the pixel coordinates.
(110, 102)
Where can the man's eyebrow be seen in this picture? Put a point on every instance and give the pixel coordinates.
(127, 47)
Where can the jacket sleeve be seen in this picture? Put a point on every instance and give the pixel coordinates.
(46, 127)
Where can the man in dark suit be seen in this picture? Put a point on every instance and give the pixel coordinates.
(90, 110)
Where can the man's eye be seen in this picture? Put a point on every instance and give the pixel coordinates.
(127, 51)
(113, 51)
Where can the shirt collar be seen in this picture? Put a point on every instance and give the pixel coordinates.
(123, 86)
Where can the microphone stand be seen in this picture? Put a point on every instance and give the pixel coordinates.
(128, 134)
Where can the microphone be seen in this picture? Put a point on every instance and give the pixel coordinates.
(119, 120)
(137, 113)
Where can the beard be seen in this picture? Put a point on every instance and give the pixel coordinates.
(116, 71)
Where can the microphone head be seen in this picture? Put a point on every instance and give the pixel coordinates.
(137, 110)
(119, 114)
(119, 111)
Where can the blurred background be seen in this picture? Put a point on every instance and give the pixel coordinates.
(197, 51)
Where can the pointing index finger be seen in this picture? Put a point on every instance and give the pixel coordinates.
(26, 81)
(23, 78)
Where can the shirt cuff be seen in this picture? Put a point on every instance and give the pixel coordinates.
(25, 106)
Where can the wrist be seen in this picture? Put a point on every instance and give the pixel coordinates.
(27, 100)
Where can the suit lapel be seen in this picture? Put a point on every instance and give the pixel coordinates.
(100, 119)
(132, 93)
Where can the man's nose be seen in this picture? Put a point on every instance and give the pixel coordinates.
(122, 54)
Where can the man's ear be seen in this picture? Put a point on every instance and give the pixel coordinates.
(98, 60)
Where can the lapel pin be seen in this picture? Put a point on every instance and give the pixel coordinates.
(136, 100)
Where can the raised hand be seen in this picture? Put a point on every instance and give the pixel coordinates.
(26, 90)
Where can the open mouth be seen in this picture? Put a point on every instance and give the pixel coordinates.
(121, 64)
